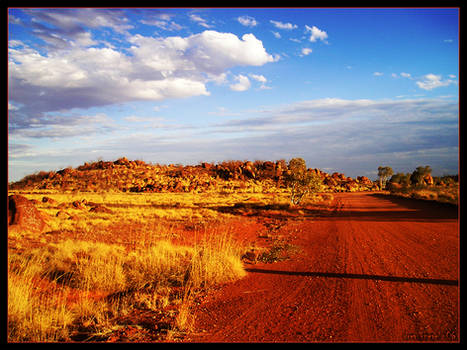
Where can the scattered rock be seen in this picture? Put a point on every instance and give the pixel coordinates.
(62, 214)
(251, 256)
(78, 205)
(53, 232)
(364, 180)
(49, 200)
(428, 180)
(101, 209)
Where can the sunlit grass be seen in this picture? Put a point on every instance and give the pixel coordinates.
(61, 284)
(443, 194)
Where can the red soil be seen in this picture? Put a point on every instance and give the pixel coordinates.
(375, 268)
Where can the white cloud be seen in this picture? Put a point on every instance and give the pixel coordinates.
(212, 51)
(281, 25)
(433, 81)
(163, 24)
(306, 51)
(262, 79)
(158, 68)
(247, 21)
(277, 35)
(316, 34)
(258, 77)
(201, 21)
(406, 75)
(243, 83)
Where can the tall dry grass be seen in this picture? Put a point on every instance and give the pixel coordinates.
(63, 284)
(443, 194)
(36, 313)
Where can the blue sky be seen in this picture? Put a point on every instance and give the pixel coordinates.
(346, 89)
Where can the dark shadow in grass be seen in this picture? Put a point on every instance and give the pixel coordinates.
(437, 281)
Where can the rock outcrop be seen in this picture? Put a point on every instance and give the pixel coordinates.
(124, 175)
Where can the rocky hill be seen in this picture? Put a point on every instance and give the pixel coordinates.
(124, 175)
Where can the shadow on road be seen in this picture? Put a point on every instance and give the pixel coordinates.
(444, 282)
(414, 203)
(405, 209)
(398, 209)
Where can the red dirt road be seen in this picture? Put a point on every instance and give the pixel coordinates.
(375, 268)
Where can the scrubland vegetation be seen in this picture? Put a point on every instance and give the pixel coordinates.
(81, 289)
(439, 193)
(420, 184)
(129, 247)
(132, 272)
(152, 253)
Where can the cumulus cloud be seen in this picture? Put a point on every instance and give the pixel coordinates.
(42, 82)
(156, 69)
(213, 51)
(247, 21)
(259, 77)
(281, 25)
(316, 34)
(243, 83)
(262, 79)
(433, 81)
(377, 74)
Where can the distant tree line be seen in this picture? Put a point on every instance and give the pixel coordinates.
(420, 176)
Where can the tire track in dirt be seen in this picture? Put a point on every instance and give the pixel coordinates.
(375, 269)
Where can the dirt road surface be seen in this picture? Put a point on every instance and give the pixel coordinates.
(375, 268)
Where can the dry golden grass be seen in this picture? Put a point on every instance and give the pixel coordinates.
(444, 194)
(107, 269)
(154, 252)
(62, 282)
(33, 315)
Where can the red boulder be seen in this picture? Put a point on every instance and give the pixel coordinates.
(24, 215)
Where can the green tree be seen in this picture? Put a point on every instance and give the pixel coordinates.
(384, 174)
(417, 176)
(401, 178)
(301, 180)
